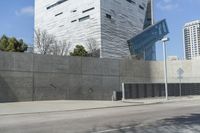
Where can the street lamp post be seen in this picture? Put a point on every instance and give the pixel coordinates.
(164, 40)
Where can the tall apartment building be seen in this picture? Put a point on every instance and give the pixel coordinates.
(191, 35)
(111, 23)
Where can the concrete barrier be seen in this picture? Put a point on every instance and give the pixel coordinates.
(26, 77)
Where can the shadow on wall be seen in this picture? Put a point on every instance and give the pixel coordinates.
(6, 93)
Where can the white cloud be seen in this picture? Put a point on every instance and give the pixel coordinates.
(29, 10)
(167, 5)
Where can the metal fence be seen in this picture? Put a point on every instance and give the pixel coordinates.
(134, 91)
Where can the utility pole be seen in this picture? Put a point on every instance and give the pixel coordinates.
(164, 40)
(152, 12)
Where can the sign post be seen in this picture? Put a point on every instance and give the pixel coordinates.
(180, 73)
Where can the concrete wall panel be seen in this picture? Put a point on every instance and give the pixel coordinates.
(94, 66)
(110, 84)
(15, 86)
(6, 61)
(50, 86)
(24, 77)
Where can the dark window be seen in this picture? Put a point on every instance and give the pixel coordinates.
(141, 7)
(131, 1)
(88, 10)
(55, 4)
(84, 18)
(149, 19)
(59, 14)
(74, 10)
(73, 21)
(108, 16)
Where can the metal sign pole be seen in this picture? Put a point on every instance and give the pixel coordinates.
(180, 73)
(180, 87)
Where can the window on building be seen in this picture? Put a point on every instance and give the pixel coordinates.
(74, 10)
(131, 1)
(73, 21)
(84, 18)
(141, 7)
(88, 9)
(108, 16)
(59, 14)
(55, 4)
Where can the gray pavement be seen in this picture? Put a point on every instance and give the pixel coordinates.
(60, 106)
(172, 117)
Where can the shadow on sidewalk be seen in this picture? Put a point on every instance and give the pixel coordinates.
(189, 123)
(193, 119)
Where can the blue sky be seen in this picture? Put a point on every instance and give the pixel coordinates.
(17, 19)
(177, 13)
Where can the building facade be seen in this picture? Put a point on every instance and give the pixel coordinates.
(191, 34)
(110, 23)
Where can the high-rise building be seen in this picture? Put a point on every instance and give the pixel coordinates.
(109, 23)
(191, 33)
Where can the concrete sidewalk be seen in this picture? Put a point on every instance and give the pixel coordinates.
(61, 106)
(162, 99)
(57, 106)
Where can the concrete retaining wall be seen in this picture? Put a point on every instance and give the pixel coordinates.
(26, 77)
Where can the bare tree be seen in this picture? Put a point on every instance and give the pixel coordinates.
(61, 48)
(47, 44)
(54, 49)
(93, 47)
(44, 41)
(65, 48)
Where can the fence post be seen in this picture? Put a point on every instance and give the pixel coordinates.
(123, 92)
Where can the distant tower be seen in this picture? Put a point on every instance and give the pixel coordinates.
(191, 34)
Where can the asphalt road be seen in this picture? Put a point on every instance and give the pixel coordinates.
(180, 117)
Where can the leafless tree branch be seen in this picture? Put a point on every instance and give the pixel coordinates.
(47, 44)
(61, 48)
(92, 46)
(44, 41)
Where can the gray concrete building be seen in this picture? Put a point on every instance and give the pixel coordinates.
(191, 34)
(111, 23)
